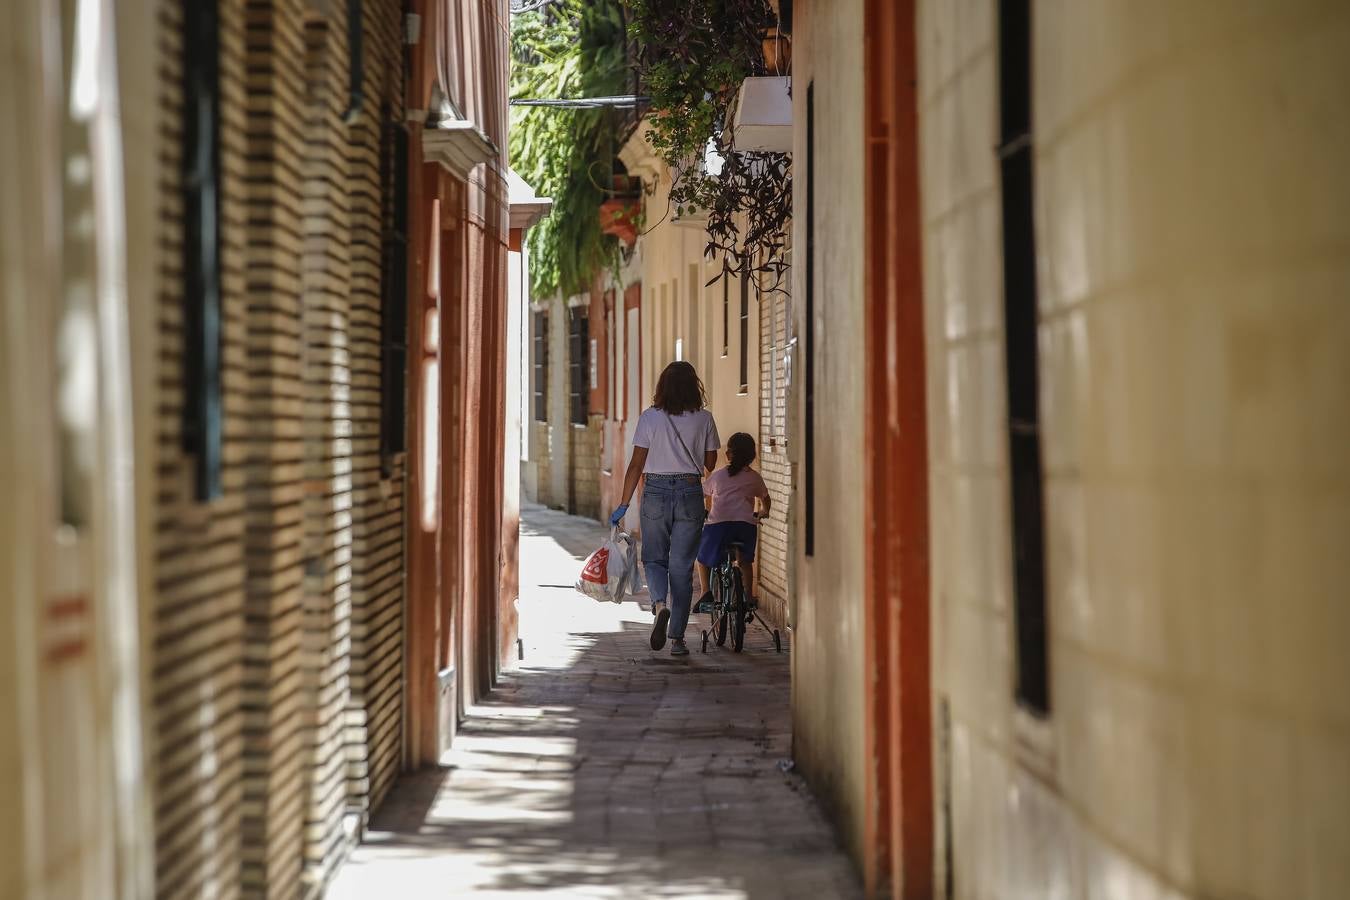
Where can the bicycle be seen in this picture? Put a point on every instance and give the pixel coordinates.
(731, 608)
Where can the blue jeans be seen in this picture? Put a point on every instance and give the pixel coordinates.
(672, 521)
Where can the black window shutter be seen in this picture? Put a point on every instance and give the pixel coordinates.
(202, 403)
(1022, 362)
(541, 367)
(579, 366)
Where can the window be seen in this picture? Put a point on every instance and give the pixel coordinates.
(809, 387)
(394, 303)
(745, 327)
(611, 357)
(578, 359)
(726, 314)
(355, 61)
(662, 330)
(540, 341)
(693, 331)
(1019, 299)
(202, 413)
(676, 321)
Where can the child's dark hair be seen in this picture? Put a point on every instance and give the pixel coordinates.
(679, 390)
(740, 452)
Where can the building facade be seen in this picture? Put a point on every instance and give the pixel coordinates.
(562, 470)
(1064, 614)
(462, 627)
(596, 357)
(264, 551)
(714, 326)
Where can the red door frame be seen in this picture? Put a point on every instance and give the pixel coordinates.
(422, 583)
(898, 831)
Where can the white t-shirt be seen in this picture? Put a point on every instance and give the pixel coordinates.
(665, 456)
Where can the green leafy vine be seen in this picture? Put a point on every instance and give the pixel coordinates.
(568, 49)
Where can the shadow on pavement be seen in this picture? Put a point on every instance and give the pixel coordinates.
(603, 769)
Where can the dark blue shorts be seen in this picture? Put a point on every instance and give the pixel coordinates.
(718, 538)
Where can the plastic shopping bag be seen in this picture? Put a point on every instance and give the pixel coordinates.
(610, 571)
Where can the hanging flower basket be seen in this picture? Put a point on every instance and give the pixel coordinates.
(619, 217)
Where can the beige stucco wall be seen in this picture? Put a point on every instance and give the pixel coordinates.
(1192, 247)
(827, 660)
(72, 711)
(677, 306)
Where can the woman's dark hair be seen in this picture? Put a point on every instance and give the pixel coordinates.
(679, 390)
(740, 452)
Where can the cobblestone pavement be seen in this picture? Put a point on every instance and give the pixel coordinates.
(601, 769)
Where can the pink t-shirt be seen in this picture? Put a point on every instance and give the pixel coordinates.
(733, 495)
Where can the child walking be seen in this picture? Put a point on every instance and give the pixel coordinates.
(732, 495)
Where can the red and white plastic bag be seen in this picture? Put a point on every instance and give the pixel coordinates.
(611, 571)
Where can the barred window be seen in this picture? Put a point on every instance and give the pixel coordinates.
(540, 343)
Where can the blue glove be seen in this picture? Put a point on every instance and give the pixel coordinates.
(618, 515)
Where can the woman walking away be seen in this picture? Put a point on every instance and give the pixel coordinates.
(674, 443)
(732, 518)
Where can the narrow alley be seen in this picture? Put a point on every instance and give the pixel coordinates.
(601, 769)
(1002, 345)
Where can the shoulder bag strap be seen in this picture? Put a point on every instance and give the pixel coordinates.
(698, 469)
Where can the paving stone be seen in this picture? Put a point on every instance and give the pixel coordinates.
(599, 769)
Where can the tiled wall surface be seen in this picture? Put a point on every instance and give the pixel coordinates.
(1190, 212)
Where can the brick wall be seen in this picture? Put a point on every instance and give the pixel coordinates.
(376, 678)
(585, 462)
(774, 541)
(274, 786)
(327, 292)
(541, 453)
(197, 649)
(277, 658)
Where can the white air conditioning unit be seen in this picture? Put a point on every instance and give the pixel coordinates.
(692, 217)
(764, 115)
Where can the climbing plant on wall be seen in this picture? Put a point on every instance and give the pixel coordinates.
(569, 49)
(692, 57)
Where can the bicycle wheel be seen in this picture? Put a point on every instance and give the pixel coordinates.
(737, 613)
(719, 615)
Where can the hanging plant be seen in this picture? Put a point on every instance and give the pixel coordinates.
(569, 48)
(692, 58)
